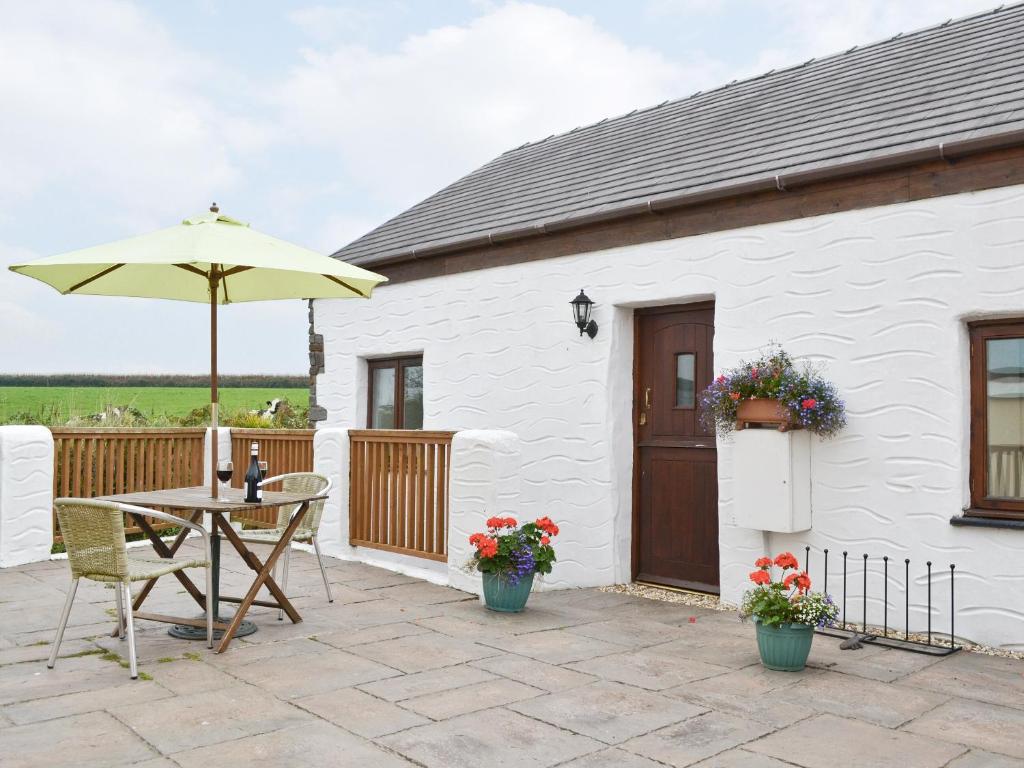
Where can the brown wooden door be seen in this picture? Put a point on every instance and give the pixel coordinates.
(676, 516)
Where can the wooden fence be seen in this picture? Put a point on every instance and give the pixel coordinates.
(97, 462)
(398, 491)
(284, 450)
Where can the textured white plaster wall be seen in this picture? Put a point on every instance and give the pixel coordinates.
(879, 295)
(484, 481)
(26, 495)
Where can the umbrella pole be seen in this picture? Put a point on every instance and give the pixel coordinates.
(214, 279)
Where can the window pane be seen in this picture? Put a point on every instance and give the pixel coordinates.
(412, 397)
(1005, 410)
(684, 381)
(383, 393)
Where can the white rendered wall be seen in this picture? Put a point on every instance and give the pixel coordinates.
(879, 295)
(26, 494)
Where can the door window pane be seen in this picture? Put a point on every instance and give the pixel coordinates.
(383, 393)
(1004, 380)
(412, 397)
(685, 384)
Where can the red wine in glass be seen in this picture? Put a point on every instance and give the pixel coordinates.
(224, 475)
(263, 470)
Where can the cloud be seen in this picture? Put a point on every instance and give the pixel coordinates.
(405, 123)
(102, 105)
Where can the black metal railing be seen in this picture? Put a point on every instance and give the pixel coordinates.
(885, 635)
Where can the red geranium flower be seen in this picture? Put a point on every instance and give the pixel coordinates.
(760, 577)
(734, 395)
(763, 562)
(801, 581)
(809, 403)
(786, 560)
(545, 540)
(720, 380)
(545, 524)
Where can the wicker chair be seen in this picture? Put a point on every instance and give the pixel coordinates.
(94, 538)
(295, 482)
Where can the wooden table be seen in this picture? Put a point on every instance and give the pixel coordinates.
(195, 501)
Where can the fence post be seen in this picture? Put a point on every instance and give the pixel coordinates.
(223, 451)
(331, 459)
(26, 494)
(484, 481)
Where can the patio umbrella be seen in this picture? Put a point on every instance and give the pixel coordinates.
(212, 259)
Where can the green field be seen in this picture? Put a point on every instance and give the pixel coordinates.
(70, 402)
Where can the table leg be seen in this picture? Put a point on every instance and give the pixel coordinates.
(263, 577)
(188, 632)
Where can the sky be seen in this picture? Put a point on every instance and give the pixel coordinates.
(315, 122)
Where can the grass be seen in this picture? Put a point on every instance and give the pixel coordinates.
(71, 402)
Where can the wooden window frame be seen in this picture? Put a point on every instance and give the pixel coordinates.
(981, 504)
(399, 364)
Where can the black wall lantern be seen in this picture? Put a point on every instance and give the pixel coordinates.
(581, 307)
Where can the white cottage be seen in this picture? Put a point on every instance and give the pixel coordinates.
(865, 210)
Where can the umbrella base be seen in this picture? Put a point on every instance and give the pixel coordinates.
(188, 632)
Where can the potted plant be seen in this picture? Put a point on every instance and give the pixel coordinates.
(772, 390)
(508, 556)
(785, 612)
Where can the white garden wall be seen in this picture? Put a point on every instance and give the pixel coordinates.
(880, 295)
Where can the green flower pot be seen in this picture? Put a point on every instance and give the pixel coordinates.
(502, 596)
(784, 648)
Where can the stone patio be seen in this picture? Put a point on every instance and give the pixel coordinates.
(399, 672)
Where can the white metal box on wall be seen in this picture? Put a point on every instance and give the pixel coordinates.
(773, 480)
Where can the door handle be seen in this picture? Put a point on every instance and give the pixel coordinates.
(647, 397)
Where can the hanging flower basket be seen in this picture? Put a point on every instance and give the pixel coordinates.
(772, 390)
(759, 410)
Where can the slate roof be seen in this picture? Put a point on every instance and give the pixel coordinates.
(959, 80)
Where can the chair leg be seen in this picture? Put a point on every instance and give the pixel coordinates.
(209, 606)
(285, 559)
(132, 665)
(120, 613)
(63, 623)
(323, 571)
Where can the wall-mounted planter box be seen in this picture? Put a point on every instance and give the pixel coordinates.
(772, 473)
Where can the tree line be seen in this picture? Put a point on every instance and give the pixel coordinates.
(146, 380)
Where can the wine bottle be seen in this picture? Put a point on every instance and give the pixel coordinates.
(253, 492)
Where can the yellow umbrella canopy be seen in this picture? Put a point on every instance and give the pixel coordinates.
(210, 258)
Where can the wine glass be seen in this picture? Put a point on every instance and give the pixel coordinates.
(263, 470)
(225, 469)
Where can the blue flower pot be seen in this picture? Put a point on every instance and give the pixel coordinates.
(784, 648)
(500, 595)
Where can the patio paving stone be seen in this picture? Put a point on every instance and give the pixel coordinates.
(741, 758)
(345, 638)
(93, 700)
(697, 738)
(493, 738)
(99, 741)
(316, 745)
(535, 673)
(973, 676)
(979, 759)
(292, 677)
(200, 719)
(360, 712)
(555, 646)
(606, 711)
(611, 758)
(655, 668)
(419, 653)
(462, 701)
(856, 697)
(976, 724)
(422, 683)
(826, 741)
